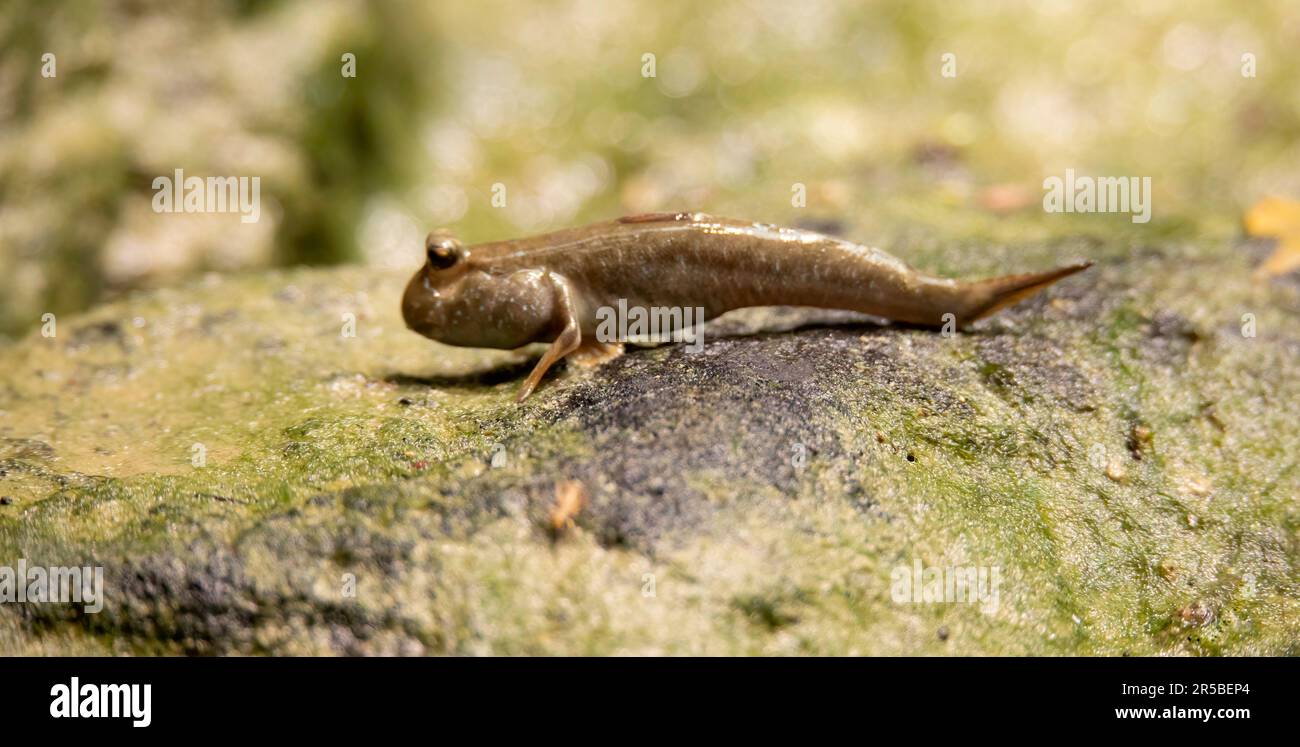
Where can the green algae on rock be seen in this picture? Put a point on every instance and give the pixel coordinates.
(273, 464)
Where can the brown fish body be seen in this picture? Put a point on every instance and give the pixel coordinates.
(550, 288)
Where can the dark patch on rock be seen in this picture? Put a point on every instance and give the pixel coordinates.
(740, 411)
(1169, 339)
(25, 448)
(207, 600)
(98, 333)
(1031, 369)
(904, 366)
(856, 493)
(189, 600)
(747, 410)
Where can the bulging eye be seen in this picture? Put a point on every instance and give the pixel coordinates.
(442, 257)
(443, 251)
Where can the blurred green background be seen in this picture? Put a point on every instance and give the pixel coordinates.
(749, 98)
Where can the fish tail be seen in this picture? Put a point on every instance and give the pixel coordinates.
(989, 296)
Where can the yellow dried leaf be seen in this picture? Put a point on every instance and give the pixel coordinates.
(570, 498)
(1279, 218)
(1273, 216)
(1284, 259)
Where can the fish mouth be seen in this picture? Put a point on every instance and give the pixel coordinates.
(415, 300)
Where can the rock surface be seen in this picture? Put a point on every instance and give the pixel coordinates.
(1116, 456)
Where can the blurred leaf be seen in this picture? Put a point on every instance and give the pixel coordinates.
(1280, 218)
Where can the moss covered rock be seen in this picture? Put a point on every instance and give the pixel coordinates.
(273, 464)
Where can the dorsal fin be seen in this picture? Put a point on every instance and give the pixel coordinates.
(658, 217)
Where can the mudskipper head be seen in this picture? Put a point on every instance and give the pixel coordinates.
(445, 260)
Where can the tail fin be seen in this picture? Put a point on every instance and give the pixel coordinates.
(988, 296)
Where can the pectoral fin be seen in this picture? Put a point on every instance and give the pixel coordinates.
(569, 340)
(592, 353)
(565, 343)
